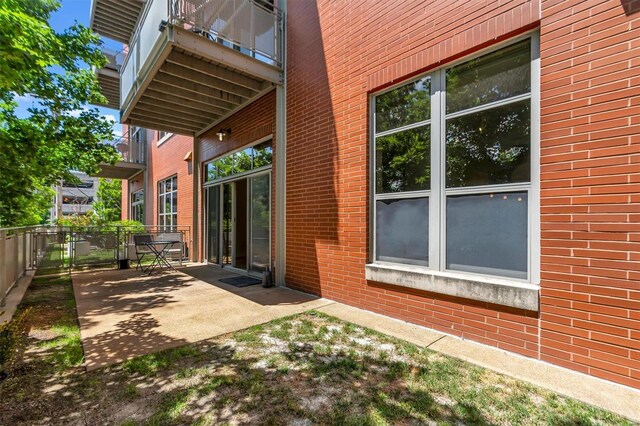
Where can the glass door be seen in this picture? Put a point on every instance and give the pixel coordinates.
(213, 224)
(260, 222)
(227, 224)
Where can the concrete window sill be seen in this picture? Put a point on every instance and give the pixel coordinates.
(487, 289)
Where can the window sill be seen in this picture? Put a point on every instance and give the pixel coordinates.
(164, 139)
(486, 289)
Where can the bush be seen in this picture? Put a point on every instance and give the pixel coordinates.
(11, 337)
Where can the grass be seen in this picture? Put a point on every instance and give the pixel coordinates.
(304, 369)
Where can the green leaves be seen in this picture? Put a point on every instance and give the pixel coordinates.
(60, 134)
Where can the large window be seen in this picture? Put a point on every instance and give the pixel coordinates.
(243, 161)
(453, 160)
(137, 206)
(168, 203)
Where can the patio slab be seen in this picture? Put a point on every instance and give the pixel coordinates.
(124, 314)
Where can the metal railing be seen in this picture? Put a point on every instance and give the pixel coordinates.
(132, 146)
(57, 249)
(252, 27)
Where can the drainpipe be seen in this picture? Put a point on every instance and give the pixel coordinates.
(281, 159)
(195, 166)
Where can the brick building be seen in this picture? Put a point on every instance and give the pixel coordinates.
(469, 166)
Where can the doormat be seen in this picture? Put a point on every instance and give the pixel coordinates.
(241, 281)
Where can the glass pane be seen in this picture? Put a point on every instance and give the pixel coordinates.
(407, 104)
(262, 154)
(213, 223)
(403, 161)
(402, 231)
(488, 234)
(227, 224)
(174, 204)
(242, 161)
(489, 78)
(211, 172)
(260, 224)
(225, 166)
(490, 146)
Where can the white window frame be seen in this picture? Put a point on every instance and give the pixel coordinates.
(163, 215)
(164, 138)
(438, 192)
(137, 204)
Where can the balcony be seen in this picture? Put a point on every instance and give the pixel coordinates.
(116, 19)
(109, 78)
(192, 62)
(132, 147)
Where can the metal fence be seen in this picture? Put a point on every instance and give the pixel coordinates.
(56, 249)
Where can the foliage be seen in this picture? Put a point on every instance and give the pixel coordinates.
(76, 221)
(130, 225)
(11, 337)
(108, 206)
(60, 134)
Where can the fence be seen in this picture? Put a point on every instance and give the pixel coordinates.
(56, 249)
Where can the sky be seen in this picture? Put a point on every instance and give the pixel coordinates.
(70, 12)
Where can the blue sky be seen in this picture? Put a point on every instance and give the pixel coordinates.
(70, 12)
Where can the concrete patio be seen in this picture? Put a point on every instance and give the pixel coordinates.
(124, 314)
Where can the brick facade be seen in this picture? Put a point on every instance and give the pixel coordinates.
(339, 53)
(252, 123)
(164, 161)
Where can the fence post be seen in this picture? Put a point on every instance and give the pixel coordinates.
(3, 268)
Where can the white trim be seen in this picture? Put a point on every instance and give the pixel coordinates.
(534, 193)
(402, 128)
(165, 138)
(490, 105)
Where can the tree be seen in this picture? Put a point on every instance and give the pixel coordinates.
(60, 134)
(108, 207)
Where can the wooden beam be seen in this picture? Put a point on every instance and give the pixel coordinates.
(241, 93)
(169, 116)
(177, 110)
(178, 102)
(205, 67)
(199, 89)
(154, 124)
(157, 89)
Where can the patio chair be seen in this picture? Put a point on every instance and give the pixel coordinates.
(142, 249)
(176, 250)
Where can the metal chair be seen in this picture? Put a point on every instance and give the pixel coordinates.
(142, 249)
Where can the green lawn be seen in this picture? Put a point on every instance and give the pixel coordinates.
(301, 370)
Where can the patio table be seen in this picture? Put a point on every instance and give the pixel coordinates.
(160, 249)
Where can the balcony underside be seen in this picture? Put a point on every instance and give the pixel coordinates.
(116, 19)
(120, 170)
(109, 81)
(192, 82)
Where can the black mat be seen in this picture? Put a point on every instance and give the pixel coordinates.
(241, 281)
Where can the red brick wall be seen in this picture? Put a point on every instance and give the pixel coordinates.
(340, 52)
(164, 161)
(252, 123)
(590, 165)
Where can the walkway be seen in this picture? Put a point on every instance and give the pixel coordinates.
(124, 314)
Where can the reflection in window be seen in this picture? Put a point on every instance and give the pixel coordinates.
(493, 77)
(405, 105)
(168, 203)
(137, 206)
(244, 161)
(489, 147)
(403, 161)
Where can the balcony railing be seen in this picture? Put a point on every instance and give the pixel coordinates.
(251, 27)
(132, 146)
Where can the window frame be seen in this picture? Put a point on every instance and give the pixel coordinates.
(134, 205)
(438, 191)
(162, 215)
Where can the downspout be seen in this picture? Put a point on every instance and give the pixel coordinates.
(281, 159)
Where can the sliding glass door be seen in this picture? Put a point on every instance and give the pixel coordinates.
(238, 214)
